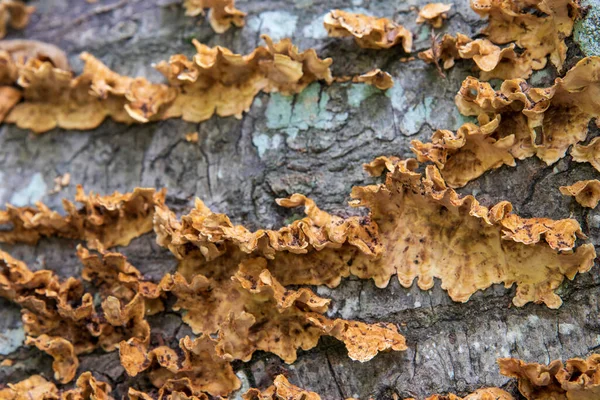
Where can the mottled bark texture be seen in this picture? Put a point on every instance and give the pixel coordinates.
(313, 143)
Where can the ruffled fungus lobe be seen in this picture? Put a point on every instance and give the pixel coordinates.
(539, 26)
(21, 50)
(218, 81)
(33, 388)
(65, 360)
(9, 97)
(221, 16)
(576, 379)
(195, 368)
(480, 394)
(281, 389)
(586, 193)
(54, 98)
(492, 60)
(434, 14)
(588, 153)
(466, 155)
(202, 237)
(103, 221)
(368, 32)
(517, 122)
(14, 13)
(61, 319)
(378, 78)
(418, 228)
(234, 307)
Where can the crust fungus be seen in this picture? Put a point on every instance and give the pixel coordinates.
(516, 122)
(480, 394)
(434, 14)
(538, 26)
(103, 221)
(576, 379)
(21, 51)
(586, 193)
(37, 388)
(54, 98)
(14, 13)
(33, 388)
(411, 232)
(60, 318)
(492, 60)
(222, 14)
(588, 153)
(194, 368)
(216, 81)
(281, 389)
(252, 311)
(368, 32)
(378, 78)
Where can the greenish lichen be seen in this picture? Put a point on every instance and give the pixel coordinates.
(359, 92)
(34, 191)
(587, 30)
(11, 340)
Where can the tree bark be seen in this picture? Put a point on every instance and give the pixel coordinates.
(312, 143)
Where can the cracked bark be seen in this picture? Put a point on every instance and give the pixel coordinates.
(241, 166)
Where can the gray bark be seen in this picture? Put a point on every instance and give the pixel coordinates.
(312, 143)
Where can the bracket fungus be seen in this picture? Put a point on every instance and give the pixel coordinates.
(14, 13)
(251, 310)
(368, 32)
(217, 81)
(54, 98)
(37, 387)
(575, 379)
(538, 26)
(61, 319)
(195, 366)
(434, 14)
(586, 193)
(102, 221)
(281, 389)
(222, 14)
(412, 232)
(589, 153)
(493, 61)
(516, 122)
(378, 78)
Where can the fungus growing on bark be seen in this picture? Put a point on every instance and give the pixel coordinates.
(281, 389)
(378, 78)
(38, 388)
(538, 26)
(195, 366)
(575, 379)
(588, 153)
(216, 81)
(411, 232)
(434, 14)
(368, 32)
(222, 14)
(33, 388)
(14, 13)
(60, 318)
(233, 307)
(586, 193)
(54, 98)
(517, 122)
(492, 60)
(102, 221)
(480, 394)
(21, 50)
